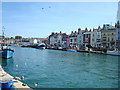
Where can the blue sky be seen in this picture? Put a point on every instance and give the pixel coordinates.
(39, 19)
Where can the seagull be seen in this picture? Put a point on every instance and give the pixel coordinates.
(17, 78)
(49, 6)
(22, 77)
(36, 84)
(42, 8)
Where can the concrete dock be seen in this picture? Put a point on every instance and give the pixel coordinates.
(17, 84)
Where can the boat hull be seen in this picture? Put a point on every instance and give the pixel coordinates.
(70, 50)
(116, 53)
(7, 53)
(41, 47)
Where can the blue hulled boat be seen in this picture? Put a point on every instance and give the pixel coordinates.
(71, 50)
(7, 53)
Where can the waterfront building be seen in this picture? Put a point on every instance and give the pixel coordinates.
(40, 40)
(118, 13)
(18, 37)
(67, 42)
(18, 40)
(73, 40)
(9, 40)
(80, 38)
(87, 38)
(96, 37)
(107, 26)
(52, 39)
(33, 41)
(118, 36)
(108, 37)
(58, 39)
(117, 25)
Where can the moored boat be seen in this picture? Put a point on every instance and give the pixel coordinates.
(71, 50)
(116, 53)
(6, 52)
(41, 46)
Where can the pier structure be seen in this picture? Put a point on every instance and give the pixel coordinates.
(17, 84)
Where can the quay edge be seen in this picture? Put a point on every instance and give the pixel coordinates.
(17, 84)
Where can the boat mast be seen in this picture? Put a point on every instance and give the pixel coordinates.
(3, 28)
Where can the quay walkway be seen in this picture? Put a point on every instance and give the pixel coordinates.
(17, 84)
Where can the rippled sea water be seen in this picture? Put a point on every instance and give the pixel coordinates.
(62, 69)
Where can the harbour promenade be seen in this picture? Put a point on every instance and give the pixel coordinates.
(17, 84)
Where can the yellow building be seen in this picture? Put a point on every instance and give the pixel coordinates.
(108, 38)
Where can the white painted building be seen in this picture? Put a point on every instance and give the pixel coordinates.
(73, 40)
(118, 28)
(52, 39)
(96, 38)
(57, 39)
(80, 38)
(107, 26)
(33, 41)
(118, 13)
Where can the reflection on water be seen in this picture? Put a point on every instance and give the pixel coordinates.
(6, 62)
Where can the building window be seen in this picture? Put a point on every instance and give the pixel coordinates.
(108, 39)
(70, 40)
(104, 39)
(112, 33)
(112, 39)
(75, 40)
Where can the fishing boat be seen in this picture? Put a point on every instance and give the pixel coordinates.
(6, 51)
(41, 46)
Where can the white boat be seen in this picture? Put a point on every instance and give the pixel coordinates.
(113, 53)
(41, 46)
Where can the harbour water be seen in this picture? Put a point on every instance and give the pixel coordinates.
(62, 69)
